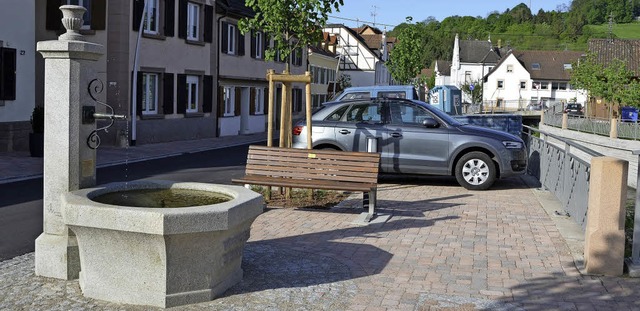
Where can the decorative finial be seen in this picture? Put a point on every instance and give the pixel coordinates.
(72, 21)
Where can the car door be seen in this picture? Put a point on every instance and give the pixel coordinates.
(410, 146)
(362, 120)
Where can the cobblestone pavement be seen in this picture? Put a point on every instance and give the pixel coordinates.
(443, 248)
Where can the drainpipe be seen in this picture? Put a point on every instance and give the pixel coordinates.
(226, 12)
(134, 83)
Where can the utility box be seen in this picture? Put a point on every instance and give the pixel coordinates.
(447, 98)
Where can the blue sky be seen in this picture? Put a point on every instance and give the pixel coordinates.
(394, 12)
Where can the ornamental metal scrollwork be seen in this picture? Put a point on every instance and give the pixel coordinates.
(96, 86)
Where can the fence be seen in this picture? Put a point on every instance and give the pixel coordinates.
(560, 171)
(592, 125)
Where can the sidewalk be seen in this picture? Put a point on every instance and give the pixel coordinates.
(16, 166)
(443, 248)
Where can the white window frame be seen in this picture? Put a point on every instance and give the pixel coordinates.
(150, 93)
(193, 98)
(509, 68)
(151, 25)
(87, 15)
(231, 39)
(259, 100)
(523, 85)
(229, 101)
(259, 45)
(500, 84)
(193, 21)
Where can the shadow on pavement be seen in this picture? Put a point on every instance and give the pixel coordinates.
(321, 258)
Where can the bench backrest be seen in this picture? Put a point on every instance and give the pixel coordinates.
(331, 165)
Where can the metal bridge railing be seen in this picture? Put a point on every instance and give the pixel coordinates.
(560, 171)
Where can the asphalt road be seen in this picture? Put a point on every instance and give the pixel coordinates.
(21, 202)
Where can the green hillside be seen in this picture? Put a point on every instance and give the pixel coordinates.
(620, 31)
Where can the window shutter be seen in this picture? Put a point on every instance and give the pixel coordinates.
(225, 37)
(240, 42)
(138, 86)
(253, 44)
(265, 100)
(98, 14)
(238, 103)
(182, 19)
(7, 74)
(181, 92)
(299, 99)
(169, 18)
(220, 102)
(138, 7)
(208, 23)
(266, 41)
(53, 15)
(167, 93)
(252, 101)
(207, 93)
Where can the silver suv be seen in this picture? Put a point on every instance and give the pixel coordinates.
(414, 137)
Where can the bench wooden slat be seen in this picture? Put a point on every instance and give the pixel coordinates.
(294, 183)
(292, 152)
(367, 162)
(304, 176)
(347, 169)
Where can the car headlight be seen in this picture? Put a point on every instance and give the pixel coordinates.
(512, 144)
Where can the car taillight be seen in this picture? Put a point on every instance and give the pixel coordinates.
(297, 130)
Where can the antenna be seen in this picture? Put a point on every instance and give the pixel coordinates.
(374, 13)
(611, 27)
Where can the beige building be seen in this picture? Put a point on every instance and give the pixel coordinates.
(242, 85)
(197, 76)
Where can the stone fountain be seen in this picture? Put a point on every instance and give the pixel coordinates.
(126, 251)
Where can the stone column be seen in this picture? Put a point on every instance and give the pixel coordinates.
(604, 236)
(69, 163)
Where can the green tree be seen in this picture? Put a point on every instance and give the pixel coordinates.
(613, 83)
(405, 61)
(473, 89)
(293, 24)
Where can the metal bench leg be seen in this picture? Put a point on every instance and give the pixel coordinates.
(372, 204)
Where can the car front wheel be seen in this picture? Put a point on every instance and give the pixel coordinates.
(475, 171)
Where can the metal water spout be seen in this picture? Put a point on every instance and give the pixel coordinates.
(89, 114)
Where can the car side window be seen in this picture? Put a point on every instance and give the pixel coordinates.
(357, 95)
(407, 114)
(367, 112)
(337, 115)
(391, 94)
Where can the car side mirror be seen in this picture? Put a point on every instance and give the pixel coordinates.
(430, 123)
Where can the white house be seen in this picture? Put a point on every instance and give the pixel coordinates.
(323, 65)
(17, 72)
(471, 60)
(522, 77)
(359, 50)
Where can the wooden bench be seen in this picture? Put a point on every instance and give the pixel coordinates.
(313, 169)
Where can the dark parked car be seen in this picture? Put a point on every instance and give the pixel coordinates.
(573, 109)
(414, 137)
